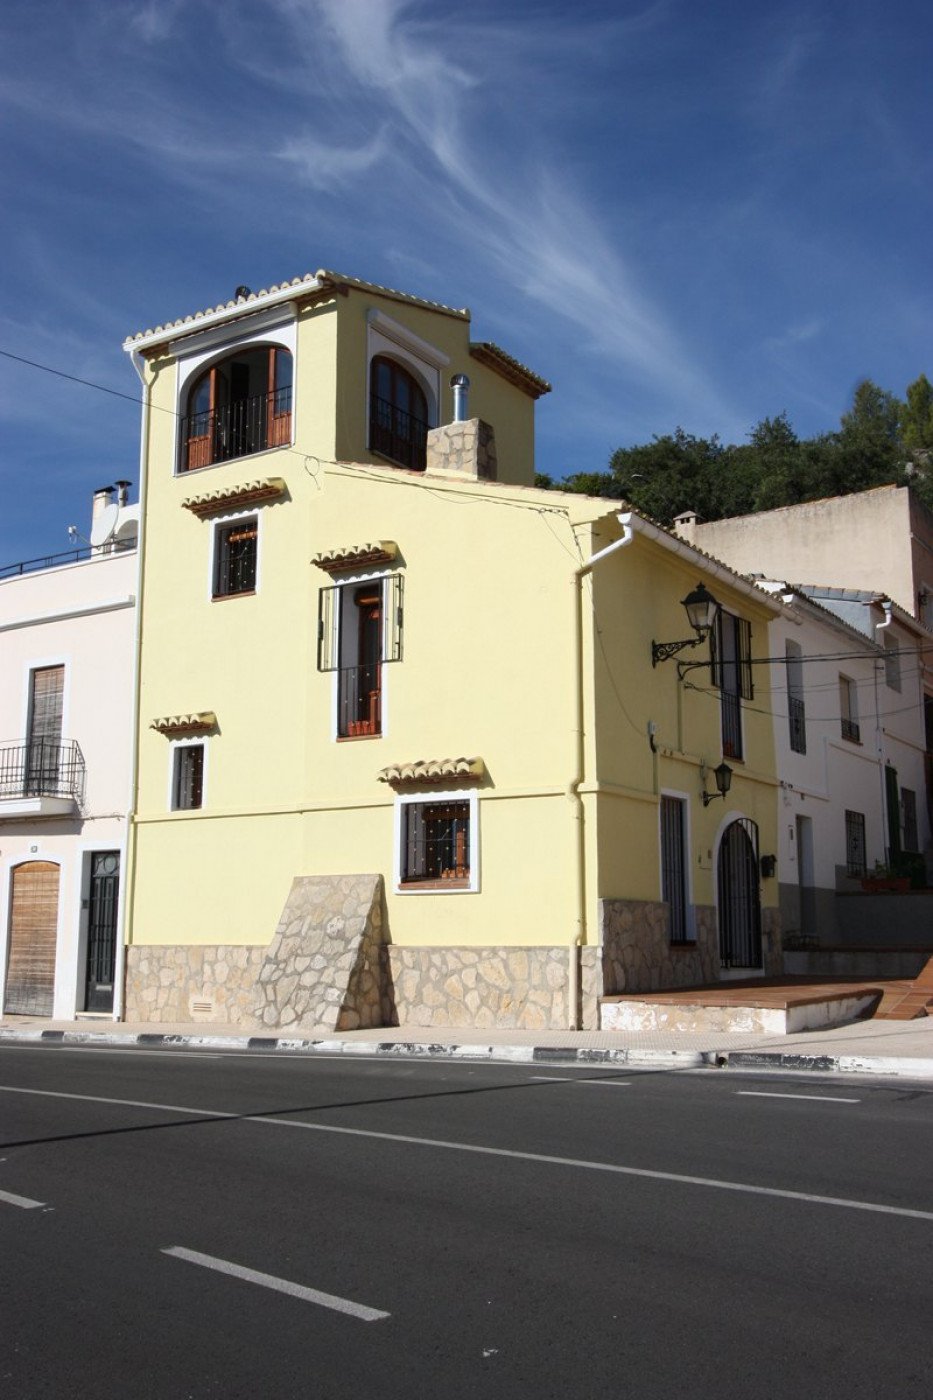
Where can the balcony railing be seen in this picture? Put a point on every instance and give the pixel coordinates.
(359, 701)
(397, 434)
(796, 717)
(68, 556)
(42, 768)
(850, 731)
(237, 429)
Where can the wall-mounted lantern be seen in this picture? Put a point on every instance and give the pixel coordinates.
(701, 609)
(723, 776)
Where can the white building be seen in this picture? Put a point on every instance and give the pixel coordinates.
(67, 640)
(849, 730)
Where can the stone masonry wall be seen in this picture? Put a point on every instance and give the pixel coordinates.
(638, 955)
(205, 983)
(486, 987)
(322, 968)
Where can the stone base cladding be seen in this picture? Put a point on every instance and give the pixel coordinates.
(638, 956)
(203, 983)
(322, 968)
(486, 987)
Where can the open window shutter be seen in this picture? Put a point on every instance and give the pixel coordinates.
(415, 852)
(392, 619)
(744, 639)
(892, 792)
(328, 639)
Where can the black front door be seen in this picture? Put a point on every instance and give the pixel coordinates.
(739, 896)
(102, 930)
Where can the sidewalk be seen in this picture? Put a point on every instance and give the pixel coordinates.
(902, 1048)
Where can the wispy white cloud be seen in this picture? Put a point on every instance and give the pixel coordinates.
(323, 165)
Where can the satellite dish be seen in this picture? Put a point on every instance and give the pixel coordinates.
(105, 524)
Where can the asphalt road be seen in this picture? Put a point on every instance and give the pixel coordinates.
(195, 1224)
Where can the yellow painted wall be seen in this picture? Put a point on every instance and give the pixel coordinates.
(487, 670)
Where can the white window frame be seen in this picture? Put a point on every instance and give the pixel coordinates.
(219, 523)
(380, 576)
(174, 746)
(428, 799)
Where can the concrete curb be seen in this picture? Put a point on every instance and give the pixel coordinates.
(901, 1066)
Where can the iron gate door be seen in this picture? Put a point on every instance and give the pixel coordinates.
(739, 896)
(102, 930)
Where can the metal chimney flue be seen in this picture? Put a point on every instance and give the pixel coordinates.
(461, 387)
(123, 493)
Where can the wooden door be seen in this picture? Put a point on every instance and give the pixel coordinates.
(30, 977)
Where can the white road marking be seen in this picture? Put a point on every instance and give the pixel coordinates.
(539, 1158)
(809, 1098)
(279, 1285)
(118, 1050)
(23, 1202)
(573, 1079)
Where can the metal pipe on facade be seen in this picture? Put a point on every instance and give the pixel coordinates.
(461, 386)
(573, 787)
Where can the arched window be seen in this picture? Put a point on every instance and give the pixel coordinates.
(241, 405)
(398, 414)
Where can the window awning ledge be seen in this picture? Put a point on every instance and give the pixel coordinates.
(198, 723)
(249, 493)
(353, 556)
(433, 770)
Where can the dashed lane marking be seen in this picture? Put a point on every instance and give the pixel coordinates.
(279, 1285)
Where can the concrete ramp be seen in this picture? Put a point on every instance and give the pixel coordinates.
(322, 968)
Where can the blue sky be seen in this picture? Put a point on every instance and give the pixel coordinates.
(679, 213)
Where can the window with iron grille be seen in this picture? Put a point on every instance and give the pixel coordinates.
(359, 632)
(235, 555)
(855, 844)
(796, 714)
(731, 665)
(187, 777)
(848, 710)
(436, 838)
(674, 866)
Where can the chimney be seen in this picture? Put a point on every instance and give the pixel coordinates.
(100, 501)
(462, 449)
(461, 387)
(685, 525)
(123, 493)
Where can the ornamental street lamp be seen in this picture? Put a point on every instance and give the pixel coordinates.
(701, 609)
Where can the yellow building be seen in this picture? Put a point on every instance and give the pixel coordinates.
(403, 753)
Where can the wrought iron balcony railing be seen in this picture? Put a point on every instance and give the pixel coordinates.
(42, 768)
(237, 429)
(850, 731)
(397, 434)
(359, 701)
(68, 556)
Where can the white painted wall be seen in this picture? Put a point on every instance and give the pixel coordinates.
(836, 774)
(80, 615)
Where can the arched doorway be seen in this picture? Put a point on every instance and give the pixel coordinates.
(739, 896)
(30, 979)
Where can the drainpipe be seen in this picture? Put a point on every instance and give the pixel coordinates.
(130, 880)
(879, 733)
(573, 787)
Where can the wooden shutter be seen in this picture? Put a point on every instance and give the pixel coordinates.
(48, 688)
(33, 928)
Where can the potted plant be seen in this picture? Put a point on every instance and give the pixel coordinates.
(885, 879)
